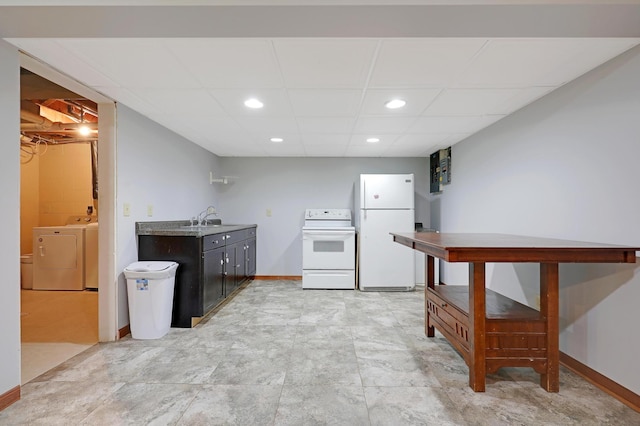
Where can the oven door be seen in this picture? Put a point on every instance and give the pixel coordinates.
(328, 249)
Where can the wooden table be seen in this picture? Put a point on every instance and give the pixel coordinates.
(490, 330)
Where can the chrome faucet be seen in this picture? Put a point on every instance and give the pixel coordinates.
(207, 212)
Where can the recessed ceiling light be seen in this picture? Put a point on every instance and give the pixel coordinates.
(276, 140)
(395, 103)
(253, 103)
(373, 140)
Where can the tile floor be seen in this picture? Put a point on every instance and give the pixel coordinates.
(280, 355)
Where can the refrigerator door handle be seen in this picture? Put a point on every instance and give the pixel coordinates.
(364, 195)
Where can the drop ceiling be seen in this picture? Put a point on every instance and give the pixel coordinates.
(324, 96)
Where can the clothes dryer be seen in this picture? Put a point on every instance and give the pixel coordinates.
(58, 258)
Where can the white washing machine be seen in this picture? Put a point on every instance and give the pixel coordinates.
(90, 255)
(58, 258)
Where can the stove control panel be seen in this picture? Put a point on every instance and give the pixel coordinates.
(328, 214)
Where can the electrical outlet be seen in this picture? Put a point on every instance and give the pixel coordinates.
(126, 209)
(538, 302)
(268, 212)
(149, 210)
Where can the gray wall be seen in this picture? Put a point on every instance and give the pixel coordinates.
(10, 216)
(565, 167)
(288, 186)
(159, 168)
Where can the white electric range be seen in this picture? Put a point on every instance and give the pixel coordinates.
(328, 249)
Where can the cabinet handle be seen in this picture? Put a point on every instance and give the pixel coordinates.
(444, 305)
(215, 242)
(228, 236)
(224, 238)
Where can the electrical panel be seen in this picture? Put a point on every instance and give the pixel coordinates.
(440, 170)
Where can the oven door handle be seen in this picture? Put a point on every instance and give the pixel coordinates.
(326, 235)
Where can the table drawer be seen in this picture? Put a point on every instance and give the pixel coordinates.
(447, 316)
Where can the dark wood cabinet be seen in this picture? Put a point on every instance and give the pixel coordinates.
(210, 268)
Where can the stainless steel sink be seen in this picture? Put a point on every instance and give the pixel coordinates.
(200, 227)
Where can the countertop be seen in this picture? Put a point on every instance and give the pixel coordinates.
(184, 228)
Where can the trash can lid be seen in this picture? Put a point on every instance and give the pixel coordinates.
(149, 266)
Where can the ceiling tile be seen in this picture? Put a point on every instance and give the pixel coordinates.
(132, 62)
(324, 63)
(276, 102)
(417, 101)
(361, 139)
(323, 139)
(323, 102)
(228, 63)
(325, 124)
(192, 101)
(383, 124)
(461, 124)
(422, 62)
(365, 151)
(483, 101)
(325, 150)
(275, 125)
(54, 53)
(538, 62)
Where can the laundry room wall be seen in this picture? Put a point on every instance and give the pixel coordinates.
(55, 183)
(65, 182)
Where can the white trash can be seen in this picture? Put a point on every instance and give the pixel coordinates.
(26, 271)
(150, 290)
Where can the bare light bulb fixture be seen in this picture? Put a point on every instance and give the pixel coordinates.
(84, 130)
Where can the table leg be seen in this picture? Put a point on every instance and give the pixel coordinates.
(549, 300)
(429, 273)
(477, 316)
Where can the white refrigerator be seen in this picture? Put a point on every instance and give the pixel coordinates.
(384, 204)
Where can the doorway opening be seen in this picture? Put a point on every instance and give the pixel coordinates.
(58, 224)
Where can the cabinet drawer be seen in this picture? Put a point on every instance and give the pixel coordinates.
(235, 236)
(210, 242)
(251, 232)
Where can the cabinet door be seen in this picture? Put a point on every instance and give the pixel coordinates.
(250, 258)
(213, 277)
(231, 269)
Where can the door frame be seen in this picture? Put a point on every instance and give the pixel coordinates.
(107, 277)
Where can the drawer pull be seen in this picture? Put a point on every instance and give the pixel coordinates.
(443, 305)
